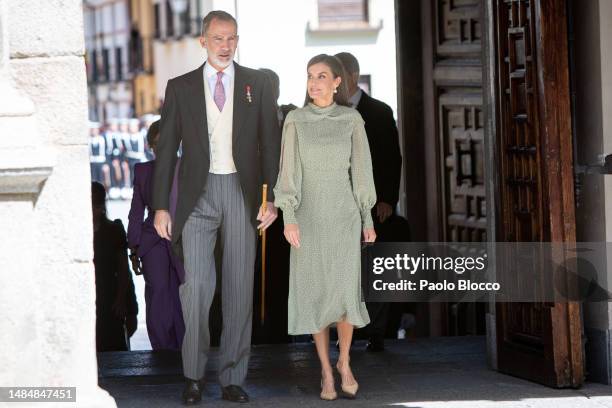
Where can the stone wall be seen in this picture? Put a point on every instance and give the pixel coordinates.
(593, 109)
(47, 292)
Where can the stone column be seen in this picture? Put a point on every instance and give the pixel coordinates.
(47, 292)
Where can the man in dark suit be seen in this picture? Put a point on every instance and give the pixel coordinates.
(386, 164)
(224, 115)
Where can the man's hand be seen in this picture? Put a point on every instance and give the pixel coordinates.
(163, 224)
(268, 217)
(383, 211)
(292, 234)
(369, 235)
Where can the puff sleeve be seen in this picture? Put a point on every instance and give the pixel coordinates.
(362, 177)
(288, 188)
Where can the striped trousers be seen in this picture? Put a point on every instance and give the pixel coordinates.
(221, 209)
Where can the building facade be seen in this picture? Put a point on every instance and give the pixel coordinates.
(283, 36)
(142, 17)
(134, 47)
(107, 41)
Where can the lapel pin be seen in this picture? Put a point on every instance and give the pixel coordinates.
(248, 94)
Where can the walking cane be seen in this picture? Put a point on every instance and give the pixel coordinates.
(262, 233)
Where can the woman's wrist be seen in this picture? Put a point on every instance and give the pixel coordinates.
(366, 220)
(289, 217)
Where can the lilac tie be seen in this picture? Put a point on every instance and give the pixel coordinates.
(219, 92)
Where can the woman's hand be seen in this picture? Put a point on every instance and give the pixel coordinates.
(135, 261)
(369, 235)
(292, 234)
(136, 264)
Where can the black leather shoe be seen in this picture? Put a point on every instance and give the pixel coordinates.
(192, 394)
(234, 393)
(376, 345)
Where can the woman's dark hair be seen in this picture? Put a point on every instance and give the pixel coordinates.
(152, 133)
(334, 64)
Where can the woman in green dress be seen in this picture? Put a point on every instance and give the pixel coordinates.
(325, 189)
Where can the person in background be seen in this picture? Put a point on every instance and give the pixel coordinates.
(282, 110)
(124, 137)
(100, 170)
(148, 120)
(116, 305)
(114, 146)
(274, 329)
(152, 255)
(383, 140)
(135, 147)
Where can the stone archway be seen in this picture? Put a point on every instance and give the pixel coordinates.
(47, 293)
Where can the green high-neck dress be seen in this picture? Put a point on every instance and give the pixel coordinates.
(325, 185)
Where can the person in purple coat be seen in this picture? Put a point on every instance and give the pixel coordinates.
(152, 256)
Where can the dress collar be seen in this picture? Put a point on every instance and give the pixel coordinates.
(322, 110)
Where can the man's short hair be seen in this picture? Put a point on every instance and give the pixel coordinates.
(351, 65)
(219, 15)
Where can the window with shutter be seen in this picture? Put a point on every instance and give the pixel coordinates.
(106, 64)
(119, 64)
(94, 66)
(157, 12)
(169, 21)
(335, 12)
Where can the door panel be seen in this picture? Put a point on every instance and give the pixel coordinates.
(454, 139)
(536, 341)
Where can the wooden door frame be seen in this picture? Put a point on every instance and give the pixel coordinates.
(556, 128)
(492, 174)
(432, 163)
(556, 169)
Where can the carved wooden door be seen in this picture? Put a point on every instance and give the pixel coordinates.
(457, 100)
(536, 341)
(454, 139)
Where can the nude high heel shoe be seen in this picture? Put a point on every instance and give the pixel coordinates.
(348, 391)
(328, 396)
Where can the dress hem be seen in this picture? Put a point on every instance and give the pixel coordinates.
(359, 325)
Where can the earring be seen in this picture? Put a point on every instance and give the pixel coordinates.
(335, 90)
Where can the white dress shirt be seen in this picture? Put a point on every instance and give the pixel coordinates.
(210, 75)
(355, 98)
